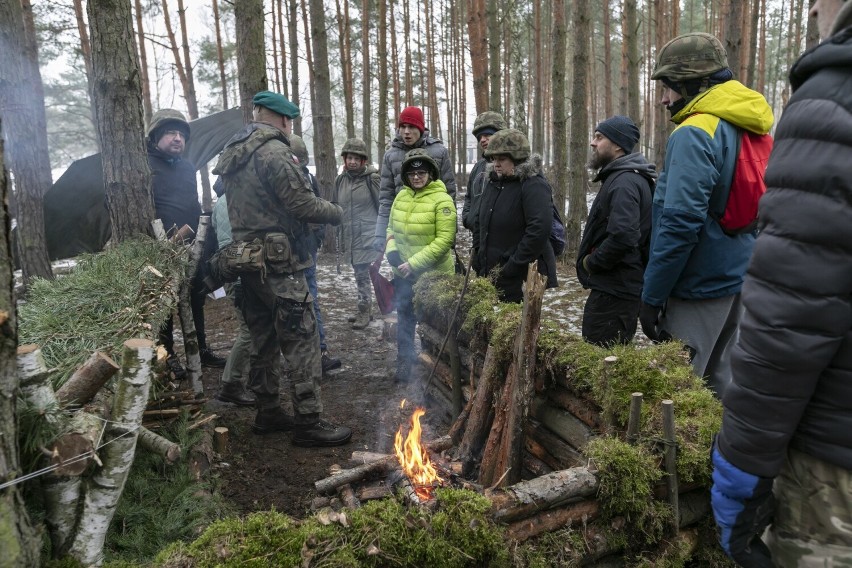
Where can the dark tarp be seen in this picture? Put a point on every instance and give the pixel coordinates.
(75, 215)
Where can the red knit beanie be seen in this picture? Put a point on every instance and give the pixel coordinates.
(412, 116)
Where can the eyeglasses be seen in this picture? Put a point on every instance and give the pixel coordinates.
(418, 174)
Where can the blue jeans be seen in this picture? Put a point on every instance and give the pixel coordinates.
(311, 277)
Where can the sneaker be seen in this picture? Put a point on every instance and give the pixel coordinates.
(210, 359)
(272, 420)
(235, 393)
(329, 363)
(321, 434)
(175, 368)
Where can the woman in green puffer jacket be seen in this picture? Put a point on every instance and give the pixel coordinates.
(421, 233)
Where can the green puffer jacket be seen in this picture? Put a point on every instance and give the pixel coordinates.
(267, 192)
(422, 228)
(358, 195)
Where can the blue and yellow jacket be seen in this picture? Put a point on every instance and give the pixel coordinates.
(422, 228)
(691, 258)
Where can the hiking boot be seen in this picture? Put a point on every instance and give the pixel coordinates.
(362, 320)
(235, 393)
(330, 363)
(403, 372)
(210, 359)
(320, 434)
(175, 368)
(271, 420)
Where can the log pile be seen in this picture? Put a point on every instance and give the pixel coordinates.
(518, 438)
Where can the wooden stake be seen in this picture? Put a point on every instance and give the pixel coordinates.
(635, 417)
(220, 440)
(671, 460)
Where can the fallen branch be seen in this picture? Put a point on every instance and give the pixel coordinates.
(155, 443)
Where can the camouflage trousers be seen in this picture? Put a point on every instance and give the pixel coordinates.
(278, 310)
(813, 518)
(364, 284)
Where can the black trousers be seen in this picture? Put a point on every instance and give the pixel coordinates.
(608, 319)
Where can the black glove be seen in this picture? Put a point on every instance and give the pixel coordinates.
(743, 506)
(394, 259)
(649, 316)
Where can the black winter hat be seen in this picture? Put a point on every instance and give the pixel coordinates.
(621, 130)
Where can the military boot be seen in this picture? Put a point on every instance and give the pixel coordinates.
(362, 320)
(320, 434)
(270, 420)
(235, 393)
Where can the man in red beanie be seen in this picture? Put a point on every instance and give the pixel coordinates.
(411, 133)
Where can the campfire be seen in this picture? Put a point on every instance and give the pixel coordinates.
(414, 458)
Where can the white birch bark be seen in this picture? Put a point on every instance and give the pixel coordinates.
(190, 337)
(106, 484)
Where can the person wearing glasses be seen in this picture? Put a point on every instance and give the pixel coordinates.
(512, 226)
(176, 204)
(420, 235)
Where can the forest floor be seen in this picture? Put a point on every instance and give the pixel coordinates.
(265, 472)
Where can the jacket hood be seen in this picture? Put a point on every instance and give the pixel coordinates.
(732, 102)
(527, 169)
(836, 51)
(424, 140)
(635, 162)
(368, 170)
(239, 149)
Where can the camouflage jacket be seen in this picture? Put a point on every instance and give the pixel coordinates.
(267, 192)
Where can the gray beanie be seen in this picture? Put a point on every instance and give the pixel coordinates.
(621, 130)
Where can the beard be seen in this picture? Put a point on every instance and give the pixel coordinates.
(597, 161)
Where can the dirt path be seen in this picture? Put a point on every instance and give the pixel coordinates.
(262, 472)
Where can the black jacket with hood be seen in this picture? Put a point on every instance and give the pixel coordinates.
(513, 224)
(618, 230)
(175, 190)
(792, 364)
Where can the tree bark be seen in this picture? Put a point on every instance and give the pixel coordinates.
(551, 520)
(82, 386)
(251, 52)
(346, 66)
(324, 154)
(22, 546)
(478, 53)
(560, 118)
(366, 78)
(118, 106)
(480, 417)
(734, 35)
(492, 16)
(579, 142)
(382, 56)
(22, 109)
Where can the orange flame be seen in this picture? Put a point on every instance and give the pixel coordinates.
(414, 458)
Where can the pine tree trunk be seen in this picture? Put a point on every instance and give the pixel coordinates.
(118, 105)
(577, 147)
(22, 108)
(492, 15)
(537, 101)
(661, 121)
(21, 545)
(346, 67)
(312, 80)
(292, 28)
(251, 52)
(323, 129)
(431, 84)
(607, 57)
(397, 91)
(631, 52)
(383, 81)
(220, 57)
(283, 46)
(406, 35)
(560, 115)
(734, 35)
(478, 52)
(367, 78)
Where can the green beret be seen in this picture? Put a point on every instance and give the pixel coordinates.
(276, 103)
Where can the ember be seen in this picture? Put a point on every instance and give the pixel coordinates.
(414, 459)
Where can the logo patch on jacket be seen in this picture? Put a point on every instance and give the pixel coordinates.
(446, 211)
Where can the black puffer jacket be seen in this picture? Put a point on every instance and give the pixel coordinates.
(175, 190)
(513, 224)
(618, 230)
(792, 364)
(475, 184)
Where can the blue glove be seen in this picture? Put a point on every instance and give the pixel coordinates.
(743, 505)
(379, 244)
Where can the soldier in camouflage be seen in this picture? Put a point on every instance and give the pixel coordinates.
(784, 452)
(485, 125)
(269, 202)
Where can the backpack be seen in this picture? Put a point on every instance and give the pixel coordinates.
(557, 232)
(747, 185)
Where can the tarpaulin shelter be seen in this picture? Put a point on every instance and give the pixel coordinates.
(76, 219)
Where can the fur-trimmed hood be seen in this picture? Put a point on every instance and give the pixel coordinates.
(527, 169)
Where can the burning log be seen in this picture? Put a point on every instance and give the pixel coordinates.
(82, 386)
(330, 484)
(528, 497)
(506, 438)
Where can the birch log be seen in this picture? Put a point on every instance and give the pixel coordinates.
(61, 496)
(190, 334)
(157, 444)
(104, 487)
(87, 380)
(35, 386)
